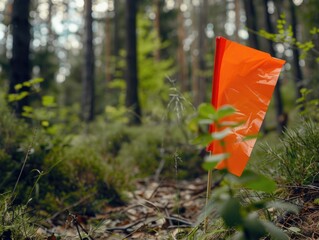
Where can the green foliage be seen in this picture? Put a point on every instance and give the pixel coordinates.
(285, 35)
(297, 156)
(245, 217)
(153, 88)
(308, 105)
(16, 222)
(33, 86)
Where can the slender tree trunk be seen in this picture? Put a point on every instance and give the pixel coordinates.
(157, 26)
(237, 20)
(251, 22)
(181, 58)
(116, 37)
(298, 76)
(108, 50)
(202, 79)
(49, 23)
(88, 68)
(280, 115)
(20, 62)
(132, 100)
(195, 57)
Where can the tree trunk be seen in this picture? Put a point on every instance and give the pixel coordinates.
(202, 79)
(108, 51)
(237, 20)
(251, 22)
(49, 23)
(281, 117)
(132, 100)
(298, 76)
(181, 58)
(20, 61)
(88, 68)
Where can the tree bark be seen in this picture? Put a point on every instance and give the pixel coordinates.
(251, 22)
(281, 117)
(298, 76)
(20, 62)
(132, 100)
(88, 68)
(108, 51)
(181, 58)
(202, 79)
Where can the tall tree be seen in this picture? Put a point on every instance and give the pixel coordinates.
(280, 115)
(181, 58)
(251, 22)
(20, 61)
(88, 68)
(202, 79)
(296, 56)
(132, 99)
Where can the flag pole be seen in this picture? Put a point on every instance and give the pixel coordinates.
(208, 193)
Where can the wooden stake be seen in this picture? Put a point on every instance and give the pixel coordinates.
(208, 193)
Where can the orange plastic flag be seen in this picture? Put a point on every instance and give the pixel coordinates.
(245, 79)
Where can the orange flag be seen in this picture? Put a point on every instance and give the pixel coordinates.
(244, 78)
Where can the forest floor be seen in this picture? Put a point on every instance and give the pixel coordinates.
(168, 210)
(154, 210)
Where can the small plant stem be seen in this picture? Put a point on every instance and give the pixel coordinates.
(24, 162)
(208, 193)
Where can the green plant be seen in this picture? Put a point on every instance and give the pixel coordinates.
(297, 156)
(243, 217)
(308, 105)
(16, 222)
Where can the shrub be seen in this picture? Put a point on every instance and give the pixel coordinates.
(297, 157)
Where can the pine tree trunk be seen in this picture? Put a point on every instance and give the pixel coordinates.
(202, 80)
(298, 76)
(281, 117)
(108, 49)
(251, 22)
(88, 68)
(20, 65)
(181, 58)
(132, 100)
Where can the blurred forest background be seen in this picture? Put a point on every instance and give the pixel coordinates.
(97, 93)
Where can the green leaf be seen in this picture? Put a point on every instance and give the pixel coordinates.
(205, 121)
(283, 206)
(203, 139)
(254, 227)
(206, 110)
(294, 229)
(212, 160)
(45, 123)
(257, 182)
(231, 124)
(250, 137)
(230, 212)
(48, 101)
(221, 134)
(18, 86)
(275, 232)
(27, 109)
(36, 81)
(225, 111)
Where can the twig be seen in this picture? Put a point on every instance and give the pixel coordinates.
(77, 225)
(24, 162)
(70, 206)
